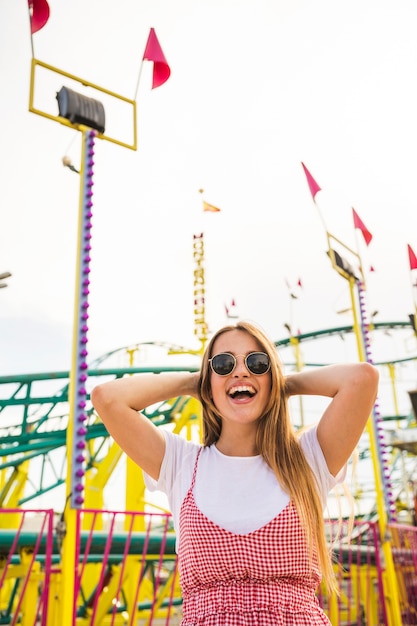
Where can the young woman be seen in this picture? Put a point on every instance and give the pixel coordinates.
(247, 503)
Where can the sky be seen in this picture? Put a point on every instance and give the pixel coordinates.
(256, 88)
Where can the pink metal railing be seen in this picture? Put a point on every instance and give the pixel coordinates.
(138, 568)
(359, 575)
(130, 569)
(404, 548)
(25, 565)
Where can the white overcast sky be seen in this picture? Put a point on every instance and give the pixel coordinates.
(256, 87)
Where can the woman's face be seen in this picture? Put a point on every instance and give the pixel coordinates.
(240, 397)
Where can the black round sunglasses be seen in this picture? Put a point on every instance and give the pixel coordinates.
(224, 363)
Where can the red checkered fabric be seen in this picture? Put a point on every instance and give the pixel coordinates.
(263, 578)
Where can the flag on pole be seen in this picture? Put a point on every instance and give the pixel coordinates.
(210, 207)
(313, 186)
(412, 258)
(231, 311)
(291, 290)
(357, 222)
(38, 13)
(153, 52)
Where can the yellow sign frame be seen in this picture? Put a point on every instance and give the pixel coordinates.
(57, 118)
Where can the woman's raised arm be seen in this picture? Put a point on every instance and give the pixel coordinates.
(353, 388)
(119, 402)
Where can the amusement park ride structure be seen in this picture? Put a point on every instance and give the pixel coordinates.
(35, 450)
(85, 564)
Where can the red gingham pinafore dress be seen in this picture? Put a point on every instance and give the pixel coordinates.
(263, 578)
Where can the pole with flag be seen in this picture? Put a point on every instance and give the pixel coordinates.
(367, 235)
(358, 224)
(412, 259)
(231, 310)
(201, 330)
(210, 208)
(383, 490)
(294, 339)
(38, 16)
(207, 207)
(314, 190)
(161, 69)
(200, 323)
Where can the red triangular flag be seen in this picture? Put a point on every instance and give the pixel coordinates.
(153, 52)
(314, 188)
(357, 222)
(412, 258)
(39, 14)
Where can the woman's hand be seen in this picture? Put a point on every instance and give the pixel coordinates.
(119, 402)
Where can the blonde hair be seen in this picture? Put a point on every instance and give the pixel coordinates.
(278, 444)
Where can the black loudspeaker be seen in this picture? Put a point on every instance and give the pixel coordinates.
(79, 109)
(413, 399)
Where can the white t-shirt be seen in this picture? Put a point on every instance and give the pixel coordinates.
(239, 494)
